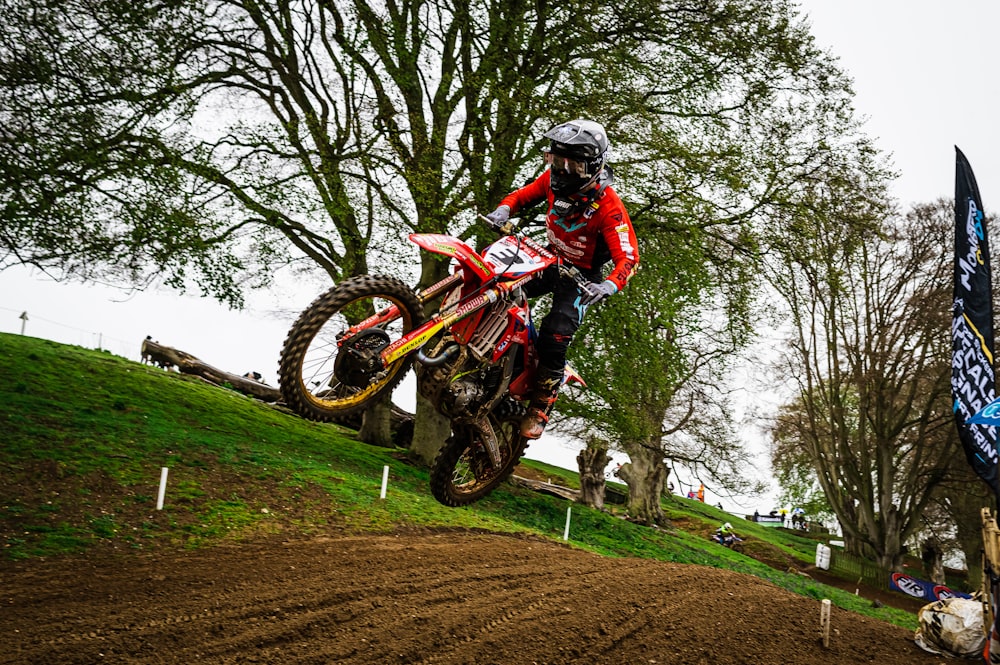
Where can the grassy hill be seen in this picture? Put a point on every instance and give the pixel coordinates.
(84, 435)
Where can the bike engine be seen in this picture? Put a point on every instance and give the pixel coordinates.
(465, 397)
(463, 386)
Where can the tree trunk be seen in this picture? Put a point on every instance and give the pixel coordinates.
(644, 475)
(430, 430)
(591, 463)
(376, 424)
(966, 512)
(933, 559)
(667, 491)
(889, 545)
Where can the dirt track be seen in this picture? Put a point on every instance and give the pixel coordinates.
(417, 598)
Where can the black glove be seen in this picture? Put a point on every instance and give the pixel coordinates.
(498, 218)
(594, 293)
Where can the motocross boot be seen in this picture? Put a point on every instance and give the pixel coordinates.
(542, 399)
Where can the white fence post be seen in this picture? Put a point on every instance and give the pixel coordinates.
(163, 488)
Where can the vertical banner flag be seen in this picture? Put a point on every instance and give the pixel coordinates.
(972, 379)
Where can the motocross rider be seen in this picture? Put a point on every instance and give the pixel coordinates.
(725, 534)
(587, 226)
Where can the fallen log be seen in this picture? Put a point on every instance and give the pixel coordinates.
(547, 488)
(167, 357)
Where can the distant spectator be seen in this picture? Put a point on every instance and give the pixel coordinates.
(701, 492)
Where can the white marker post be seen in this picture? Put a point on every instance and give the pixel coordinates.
(163, 488)
(824, 621)
(385, 480)
(569, 511)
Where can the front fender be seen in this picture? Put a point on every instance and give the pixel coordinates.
(456, 249)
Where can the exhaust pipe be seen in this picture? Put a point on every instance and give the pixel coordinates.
(440, 359)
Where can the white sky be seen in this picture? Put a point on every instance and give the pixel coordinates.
(926, 79)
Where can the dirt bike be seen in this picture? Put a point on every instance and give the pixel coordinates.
(731, 540)
(475, 355)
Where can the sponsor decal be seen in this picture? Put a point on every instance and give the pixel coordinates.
(968, 264)
(405, 345)
(908, 585)
(471, 306)
(564, 249)
(475, 260)
(625, 241)
(942, 592)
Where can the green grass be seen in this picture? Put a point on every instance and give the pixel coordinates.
(84, 434)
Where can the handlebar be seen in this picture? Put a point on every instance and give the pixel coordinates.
(508, 227)
(511, 227)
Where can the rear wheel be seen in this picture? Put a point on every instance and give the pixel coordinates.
(324, 374)
(462, 473)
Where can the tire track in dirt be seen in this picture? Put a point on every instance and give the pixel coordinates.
(430, 598)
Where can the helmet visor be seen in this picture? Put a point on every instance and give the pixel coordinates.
(566, 165)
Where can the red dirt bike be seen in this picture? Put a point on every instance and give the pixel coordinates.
(475, 355)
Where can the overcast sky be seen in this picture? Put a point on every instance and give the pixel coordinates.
(926, 79)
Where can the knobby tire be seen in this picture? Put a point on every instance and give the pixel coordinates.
(305, 369)
(462, 474)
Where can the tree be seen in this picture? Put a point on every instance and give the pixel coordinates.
(869, 355)
(953, 517)
(799, 487)
(743, 151)
(359, 122)
(657, 397)
(123, 158)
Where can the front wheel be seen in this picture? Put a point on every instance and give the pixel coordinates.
(326, 373)
(463, 472)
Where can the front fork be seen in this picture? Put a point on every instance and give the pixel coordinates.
(489, 438)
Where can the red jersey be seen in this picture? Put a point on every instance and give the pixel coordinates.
(599, 233)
